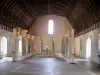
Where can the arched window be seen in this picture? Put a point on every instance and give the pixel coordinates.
(88, 48)
(50, 27)
(4, 45)
(20, 45)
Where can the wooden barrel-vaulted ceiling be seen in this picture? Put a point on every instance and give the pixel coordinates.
(22, 13)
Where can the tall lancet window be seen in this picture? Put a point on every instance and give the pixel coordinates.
(50, 26)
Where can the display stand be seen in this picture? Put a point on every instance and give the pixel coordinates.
(72, 59)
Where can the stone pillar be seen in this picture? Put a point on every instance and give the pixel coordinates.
(65, 45)
(32, 44)
(0, 50)
(72, 46)
(53, 45)
(62, 45)
(72, 41)
(27, 43)
(23, 33)
(69, 47)
(41, 38)
(14, 44)
(17, 41)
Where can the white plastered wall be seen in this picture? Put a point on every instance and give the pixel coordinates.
(94, 44)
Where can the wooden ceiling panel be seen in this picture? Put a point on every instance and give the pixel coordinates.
(22, 13)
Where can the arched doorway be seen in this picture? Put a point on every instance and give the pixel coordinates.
(88, 48)
(4, 46)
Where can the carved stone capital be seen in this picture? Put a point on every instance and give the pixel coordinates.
(41, 38)
(32, 37)
(18, 31)
(23, 33)
(54, 39)
(28, 36)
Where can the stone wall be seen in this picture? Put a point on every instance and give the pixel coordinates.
(40, 28)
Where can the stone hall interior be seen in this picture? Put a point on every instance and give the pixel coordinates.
(49, 37)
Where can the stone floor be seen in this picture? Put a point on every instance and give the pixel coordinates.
(88, 66)
(45, 66)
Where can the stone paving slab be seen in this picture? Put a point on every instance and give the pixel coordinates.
(41, 66)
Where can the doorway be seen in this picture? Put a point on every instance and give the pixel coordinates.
(4, 53)
(88, 48)
(4, 46)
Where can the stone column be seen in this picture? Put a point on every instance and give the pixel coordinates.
(72, 41)
(0, 50)
(17, 41)
(72, 46)
(53, 45)
(14, 44)
(62, 45)
(68, 43)
(23, 33)
(65, 45)
(27, 43)
(68, 54)
(32, 44)
(41, 38)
